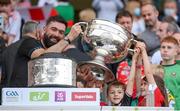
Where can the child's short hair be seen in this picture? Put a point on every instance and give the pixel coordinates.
(87, 15)
(170, 39)
(116, 83)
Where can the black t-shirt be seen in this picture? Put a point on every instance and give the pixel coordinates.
(126, 101)
(77, 55)
(20, 71)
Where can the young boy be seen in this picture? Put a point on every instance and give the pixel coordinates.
(150, 82)
(117, 93)
(169, 49)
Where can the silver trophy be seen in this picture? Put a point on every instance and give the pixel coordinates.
(110, 42)
(52, 69)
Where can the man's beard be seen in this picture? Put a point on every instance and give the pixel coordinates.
(50, 40)
(149, 26)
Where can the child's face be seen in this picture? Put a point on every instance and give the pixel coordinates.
(168, 51)
(115, 94)
(144, 87)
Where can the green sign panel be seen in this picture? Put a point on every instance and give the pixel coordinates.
(39, 96)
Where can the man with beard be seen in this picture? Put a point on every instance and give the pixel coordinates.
(53, 40)
(150, 16)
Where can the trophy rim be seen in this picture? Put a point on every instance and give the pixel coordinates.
(117, 41)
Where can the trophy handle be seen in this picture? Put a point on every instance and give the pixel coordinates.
(131, 51)
(83, 26)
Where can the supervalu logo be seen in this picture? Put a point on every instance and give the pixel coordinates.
(83, 96)
(39, 96)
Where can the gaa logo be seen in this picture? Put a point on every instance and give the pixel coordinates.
(12, 93)
(12, 96)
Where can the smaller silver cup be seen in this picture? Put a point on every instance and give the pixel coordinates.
(111, 43)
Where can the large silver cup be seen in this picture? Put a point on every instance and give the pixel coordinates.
(111, 43)
(52, 69)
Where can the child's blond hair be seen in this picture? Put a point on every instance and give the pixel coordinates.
(87, 15)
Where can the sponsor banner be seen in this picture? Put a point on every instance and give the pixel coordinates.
(51, 96)
(84, 108)
(83, 96)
